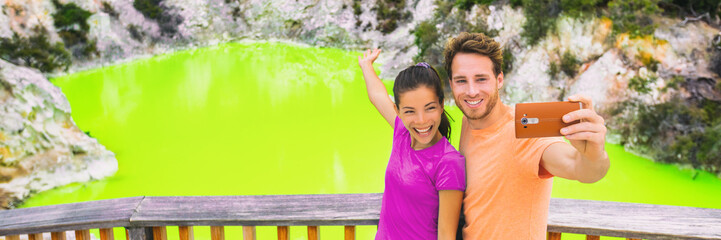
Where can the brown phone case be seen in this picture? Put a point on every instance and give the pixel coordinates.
(542, 119)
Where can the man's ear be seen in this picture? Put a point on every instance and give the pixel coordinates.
(500, 80)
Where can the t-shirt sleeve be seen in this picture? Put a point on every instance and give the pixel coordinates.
(399, 129)
(532, 152)
(451, 173)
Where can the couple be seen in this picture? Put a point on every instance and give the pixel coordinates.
(507, 181)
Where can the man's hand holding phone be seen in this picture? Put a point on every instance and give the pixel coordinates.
(589, 135)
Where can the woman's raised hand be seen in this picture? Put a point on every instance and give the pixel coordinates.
(366, 61)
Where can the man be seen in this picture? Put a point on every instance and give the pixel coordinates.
(509, 180)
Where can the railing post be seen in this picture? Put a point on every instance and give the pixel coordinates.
(140, 233)
(82, 234)
(160, 233)
(313, 233)
(57, 236)
(106, 234)
(35, 236)
(248, 232)
(216, 233)
(186, 233)
(592, 237)
(553, 236)
(12, 237)
(349, 232)
(283, 233)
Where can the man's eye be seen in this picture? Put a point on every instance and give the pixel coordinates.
(460, 81)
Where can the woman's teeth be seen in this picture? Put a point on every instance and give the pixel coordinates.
(424, 130)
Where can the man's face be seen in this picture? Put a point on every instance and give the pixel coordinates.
(474, 86)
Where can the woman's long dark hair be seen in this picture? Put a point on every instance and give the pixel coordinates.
(422, 75)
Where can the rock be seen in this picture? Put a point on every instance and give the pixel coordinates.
(41, 147)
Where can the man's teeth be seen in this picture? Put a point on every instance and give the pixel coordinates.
(423, 130)
(473, 102)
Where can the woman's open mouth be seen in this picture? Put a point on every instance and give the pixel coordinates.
(423, 131)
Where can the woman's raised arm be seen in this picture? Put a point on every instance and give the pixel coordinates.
(376, 90)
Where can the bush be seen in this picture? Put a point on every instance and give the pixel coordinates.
(694, 8)
(633, 16)
(553, 70)
(72, 24)
(110, 10)
(389, 13)
(577, 8)
(468, 4)
(152, 9)
(677, 132)
(540, 19)
(149, 8)
(640, 84)
(507, 60)
(426, 35)
(569, 64)
(35, 52)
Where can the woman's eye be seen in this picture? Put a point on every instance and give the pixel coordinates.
(408, 112)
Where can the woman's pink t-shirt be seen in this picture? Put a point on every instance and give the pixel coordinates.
(409, 207)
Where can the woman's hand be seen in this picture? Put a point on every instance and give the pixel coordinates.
(366, 61)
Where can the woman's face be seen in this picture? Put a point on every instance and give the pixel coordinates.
(421, 112)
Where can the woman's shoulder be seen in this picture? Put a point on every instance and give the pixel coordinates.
(450, 153)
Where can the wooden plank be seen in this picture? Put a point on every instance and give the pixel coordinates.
(633, 239)
(186, 233)
(349, 232)
(553, 236)
(261, 210)
(633, 220)
(313, 233)
(68, 217)
(57, 236)
(160, 233)
(283, 233)
(217, 233)
(35, 236)
(106, 234)
(12, 237)
(592, 237)
(248, 232)
(82, 234)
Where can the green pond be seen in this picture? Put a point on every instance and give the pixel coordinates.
(278, 118)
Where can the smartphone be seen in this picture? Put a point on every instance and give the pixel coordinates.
(543, 119)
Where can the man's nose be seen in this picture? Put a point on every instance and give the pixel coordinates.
(473, 89)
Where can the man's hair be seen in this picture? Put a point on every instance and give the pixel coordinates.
(473, 43)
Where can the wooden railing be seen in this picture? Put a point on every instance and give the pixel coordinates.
(146, 218)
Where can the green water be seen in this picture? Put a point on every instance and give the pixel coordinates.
(274, 118)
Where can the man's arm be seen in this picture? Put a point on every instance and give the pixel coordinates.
(585, 159)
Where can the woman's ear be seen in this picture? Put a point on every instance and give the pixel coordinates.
(395, 107)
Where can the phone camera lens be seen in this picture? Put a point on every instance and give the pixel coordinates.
(524, 121)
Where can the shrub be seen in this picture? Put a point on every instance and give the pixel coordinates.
(109, 9)
(149, 8)
(389, 13)
(468, 4)
(540, 19)
(569, 64)
(507, 60)
(633, 16)
(553, 70)
(72, 23)
(35, 52)
(152, 9)
(640, 84)
(577, 8)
